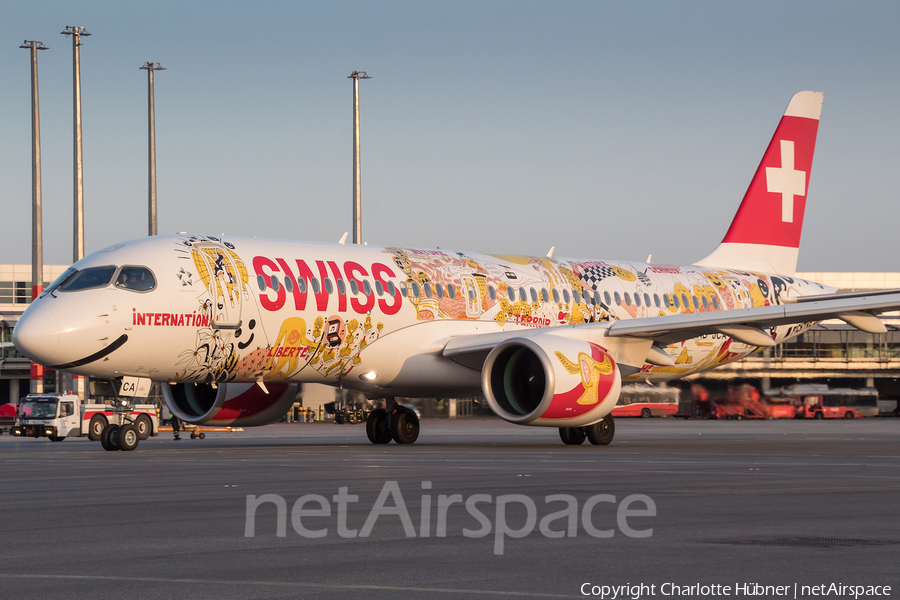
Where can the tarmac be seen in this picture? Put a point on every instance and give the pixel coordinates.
(477, 508)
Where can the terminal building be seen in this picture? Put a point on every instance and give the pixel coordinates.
(832, 353)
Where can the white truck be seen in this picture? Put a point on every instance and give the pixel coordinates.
(58, 416)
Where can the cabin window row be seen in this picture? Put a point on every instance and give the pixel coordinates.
(428, 290)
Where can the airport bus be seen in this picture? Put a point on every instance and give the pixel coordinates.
(646, 401)
(819, 402)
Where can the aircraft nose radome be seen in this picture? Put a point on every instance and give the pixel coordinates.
(36, 335)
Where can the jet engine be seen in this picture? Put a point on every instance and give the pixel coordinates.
(237, 404)
(551, 381)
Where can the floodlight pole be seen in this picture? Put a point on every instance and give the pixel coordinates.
(150, 67)
(37, 246)
(357, 192)
(77, 33)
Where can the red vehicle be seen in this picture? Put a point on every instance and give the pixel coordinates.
(646, 401)
(745, 402)
(836, 403)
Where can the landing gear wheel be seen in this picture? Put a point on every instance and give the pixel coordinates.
(56, 438)
(404, 426)
(128, 437)
(377, 428)
(602, 433)
(144, 426)
(109, 438)
(645, 413)
(572, 436)
(95, 429)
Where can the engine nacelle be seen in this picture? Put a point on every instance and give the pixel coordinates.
(551, 381)
(238, 404)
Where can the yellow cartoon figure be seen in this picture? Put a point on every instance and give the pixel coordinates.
(591, 371)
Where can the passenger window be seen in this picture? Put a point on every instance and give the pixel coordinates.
(440, 290)
(685, 303)
(342, 288)
(705, 303)
(472, 294)
(301, 285)
(715, 303)
(555, 295)
(415, 290)
(596, 297)
(451, 291)
(566, 296)
(646, 300)
(492, 293)
(618, 298)
(637, 299)
(261, 282)
(94, 277)
(522, 296)
(289, 284)
(379, 289)
(274, 283)
(367, 289)
(545, 297)
(354, 287)
(329, 287)
(533, 295)
(392, 289)
(627, 299)
(607, 298)
(315, 285)
(656, 301)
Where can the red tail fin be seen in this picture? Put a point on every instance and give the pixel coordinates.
(765, 232)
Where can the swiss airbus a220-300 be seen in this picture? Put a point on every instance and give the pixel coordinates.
(234, 324)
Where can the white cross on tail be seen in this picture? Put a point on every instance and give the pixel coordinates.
(786, 181)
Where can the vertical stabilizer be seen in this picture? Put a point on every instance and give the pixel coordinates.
(765, 233)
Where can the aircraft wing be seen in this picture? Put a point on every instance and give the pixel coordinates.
(746, 325)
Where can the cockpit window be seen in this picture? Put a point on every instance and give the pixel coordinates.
(138, 279)
(67, 274)
(93, 277)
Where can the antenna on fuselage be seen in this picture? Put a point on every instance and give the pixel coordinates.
(343, 239)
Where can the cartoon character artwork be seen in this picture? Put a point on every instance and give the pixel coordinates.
(226, 345)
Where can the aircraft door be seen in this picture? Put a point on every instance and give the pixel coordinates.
(223, 281)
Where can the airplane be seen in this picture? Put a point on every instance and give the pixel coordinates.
(233, 325)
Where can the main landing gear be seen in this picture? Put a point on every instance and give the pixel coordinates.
(395, 422)
(599, 434)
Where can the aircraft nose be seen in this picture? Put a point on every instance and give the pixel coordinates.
(36, 335)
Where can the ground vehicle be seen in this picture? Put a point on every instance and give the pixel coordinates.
(60, 416)
(819, 402)
(646, 401)
(7, 417)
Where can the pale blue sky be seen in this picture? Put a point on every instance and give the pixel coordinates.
(608, 129)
